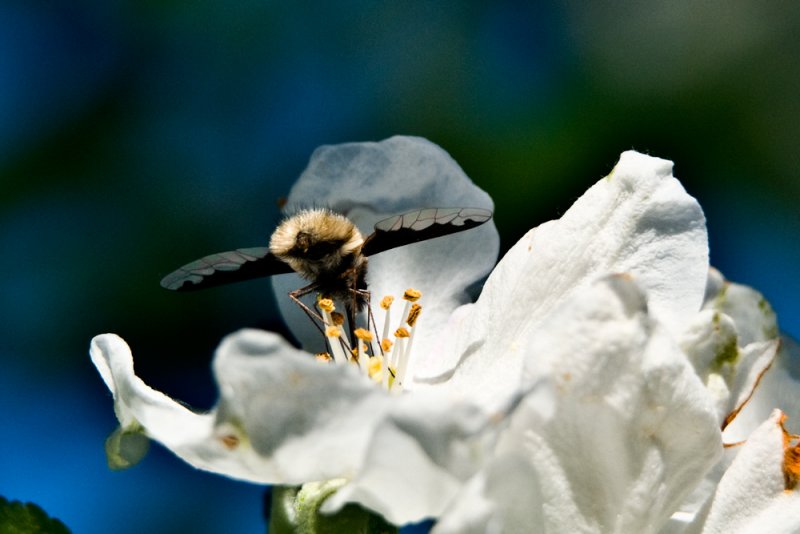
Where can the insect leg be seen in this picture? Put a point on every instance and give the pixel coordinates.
(296, 295)
(363, 295)
(314, 316)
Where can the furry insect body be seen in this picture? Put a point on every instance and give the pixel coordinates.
(326, 248)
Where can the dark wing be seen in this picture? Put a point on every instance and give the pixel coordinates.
(225, 268)
(421, 225)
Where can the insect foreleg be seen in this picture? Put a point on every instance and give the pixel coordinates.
(297, 294)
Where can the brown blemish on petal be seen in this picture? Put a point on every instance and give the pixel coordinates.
(732, 445)
(229, 441)
(731, 416)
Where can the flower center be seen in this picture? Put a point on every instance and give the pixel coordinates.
(382, 359)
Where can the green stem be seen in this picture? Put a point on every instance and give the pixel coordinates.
(297, 511)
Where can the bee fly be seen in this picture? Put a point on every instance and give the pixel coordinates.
(325, 248)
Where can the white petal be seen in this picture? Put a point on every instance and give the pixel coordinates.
(731, 373)
(285, 418)
(372, 181)
(504, 497)
(631, 429)
(134, 402)
(779, 388)
(736, 339)
(638, 220)
(752, 497)
(754, 318)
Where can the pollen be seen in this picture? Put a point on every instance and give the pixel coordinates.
(413, 315)
(337, 318)
(326, 304)
(332, 331)
(363, 334)
(386, 302)
(401, 333)
(412, 295)
(323, 357)
(386, 344)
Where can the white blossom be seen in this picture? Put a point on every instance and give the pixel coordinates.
(584, 391)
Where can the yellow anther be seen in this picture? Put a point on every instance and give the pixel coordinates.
(363, 334)
(386, 302)
(412, 295)
(401, 332)
(337, 318)
(332, 331)
(326, 305)
(413, 315)
(386, 344)
(323, 357)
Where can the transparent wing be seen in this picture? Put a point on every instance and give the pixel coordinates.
(421, 225)
(225, 268)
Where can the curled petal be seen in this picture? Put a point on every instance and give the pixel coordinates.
(638, 220)
(135, 403)
(779, 387)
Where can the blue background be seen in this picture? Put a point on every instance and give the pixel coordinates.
(135, 136)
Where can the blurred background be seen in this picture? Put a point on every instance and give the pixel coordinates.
(136, 136)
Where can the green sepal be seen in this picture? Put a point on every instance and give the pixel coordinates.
(126, 447)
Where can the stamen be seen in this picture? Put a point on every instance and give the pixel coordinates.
(363, 334)
(412, 295)
(402, 365)
(326, 305)
(334, 335)
(363, 358)
(384, 360)
(413, 315)
(386, 345)
(323, 357)
(386, 304)
(332, 331)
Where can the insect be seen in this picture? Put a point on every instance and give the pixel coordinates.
(325, 248)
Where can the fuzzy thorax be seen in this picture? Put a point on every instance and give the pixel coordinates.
(317, 242)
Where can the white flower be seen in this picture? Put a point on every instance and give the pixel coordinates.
(620, 431)
(583, 392)
(285, 418)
